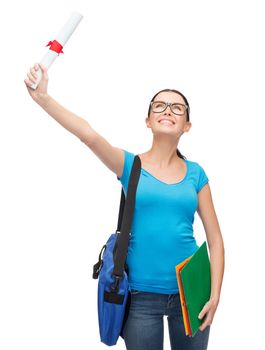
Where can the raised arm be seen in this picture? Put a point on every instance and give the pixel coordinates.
(112, 157)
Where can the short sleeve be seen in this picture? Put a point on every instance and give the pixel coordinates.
(202, 178)
(127, 166)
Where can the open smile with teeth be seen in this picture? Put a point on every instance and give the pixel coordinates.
(166, 122)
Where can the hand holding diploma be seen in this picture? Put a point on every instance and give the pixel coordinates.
(41, 90)
(37, 84)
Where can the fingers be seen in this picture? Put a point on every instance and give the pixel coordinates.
(33, 72)
(32, 77)
(28, 82)
(44, 70)
(206, 323)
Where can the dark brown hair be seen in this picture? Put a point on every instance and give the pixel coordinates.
(188, 110)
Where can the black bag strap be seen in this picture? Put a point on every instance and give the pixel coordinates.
(123, 227)
(125, 219)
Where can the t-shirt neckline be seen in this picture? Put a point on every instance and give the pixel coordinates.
(176, 183)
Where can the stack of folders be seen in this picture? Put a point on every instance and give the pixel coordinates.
(194, 282)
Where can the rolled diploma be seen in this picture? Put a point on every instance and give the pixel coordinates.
(62, 38)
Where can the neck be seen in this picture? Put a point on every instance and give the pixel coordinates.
(163, 152)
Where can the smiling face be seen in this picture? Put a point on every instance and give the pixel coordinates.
(167, 121)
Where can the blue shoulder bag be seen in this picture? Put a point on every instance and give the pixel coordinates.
(112, 270)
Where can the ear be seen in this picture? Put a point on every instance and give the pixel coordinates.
(147, 121)
(187, 126)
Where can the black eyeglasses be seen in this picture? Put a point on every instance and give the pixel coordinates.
(161, 106)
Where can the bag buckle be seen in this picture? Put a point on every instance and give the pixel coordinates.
(115, 287)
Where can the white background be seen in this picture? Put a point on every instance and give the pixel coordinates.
(59, 202)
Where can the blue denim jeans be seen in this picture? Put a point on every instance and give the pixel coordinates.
(144, 326)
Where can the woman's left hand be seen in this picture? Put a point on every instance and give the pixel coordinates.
(208, 310)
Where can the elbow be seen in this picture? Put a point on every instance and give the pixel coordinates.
(87, 137)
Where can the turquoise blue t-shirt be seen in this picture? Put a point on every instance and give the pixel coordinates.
(162, 227)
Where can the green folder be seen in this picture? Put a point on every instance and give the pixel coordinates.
(196, 286)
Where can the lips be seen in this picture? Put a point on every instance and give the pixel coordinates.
(168, 121)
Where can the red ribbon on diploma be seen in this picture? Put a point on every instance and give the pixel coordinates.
(55, 46)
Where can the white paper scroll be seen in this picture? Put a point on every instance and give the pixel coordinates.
(58, 43)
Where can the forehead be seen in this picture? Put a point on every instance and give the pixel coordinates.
(169, 96)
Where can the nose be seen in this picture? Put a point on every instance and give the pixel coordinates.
(167, 110)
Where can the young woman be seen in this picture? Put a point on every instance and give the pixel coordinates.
(170, 190)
